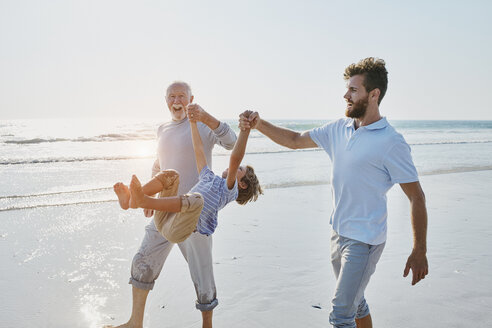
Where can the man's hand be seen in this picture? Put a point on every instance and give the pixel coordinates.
(248, 120)
(196, 113)
(417, 262)
(148, 213)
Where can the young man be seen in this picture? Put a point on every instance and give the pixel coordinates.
(368, 157)
(175, 151)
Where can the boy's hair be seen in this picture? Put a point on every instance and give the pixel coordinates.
(374, 72)
(250, 194)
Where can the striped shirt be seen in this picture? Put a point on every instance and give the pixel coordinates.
(216, 196)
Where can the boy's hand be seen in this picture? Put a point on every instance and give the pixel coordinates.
(248, 120)
(148, 213)
(195, 113)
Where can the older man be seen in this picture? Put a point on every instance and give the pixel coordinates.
(368, 157)
(175, 151)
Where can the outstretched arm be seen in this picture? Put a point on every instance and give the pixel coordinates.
(236, 157)
(200, 158)
(225, 136)
(417, 261)
(282, 136)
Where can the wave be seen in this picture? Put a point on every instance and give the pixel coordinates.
(55, 193)
(70, 159)
(287, 184)
(110, 137)
(457, 170)
(28, 207)
(120, 158)
(259, 152)
(450, 142)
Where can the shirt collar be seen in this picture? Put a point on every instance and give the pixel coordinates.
(381, 124)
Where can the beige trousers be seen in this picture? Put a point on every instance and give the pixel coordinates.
(176, 227)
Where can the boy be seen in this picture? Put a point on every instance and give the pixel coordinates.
(178, 216)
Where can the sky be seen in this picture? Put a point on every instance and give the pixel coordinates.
(285, 59)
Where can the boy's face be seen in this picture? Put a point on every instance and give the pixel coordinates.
(241, 171)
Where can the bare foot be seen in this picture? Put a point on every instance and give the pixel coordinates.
(123, 194)
(137, 196)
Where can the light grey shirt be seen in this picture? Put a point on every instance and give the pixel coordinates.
(175, 149)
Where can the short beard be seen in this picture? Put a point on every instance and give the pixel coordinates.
(358, 109)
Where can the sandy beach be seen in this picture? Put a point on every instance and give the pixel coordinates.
(69, 265)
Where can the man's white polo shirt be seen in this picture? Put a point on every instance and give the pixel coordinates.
(366, 164)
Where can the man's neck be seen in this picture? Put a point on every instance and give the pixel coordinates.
(174, 120)
(370, 117)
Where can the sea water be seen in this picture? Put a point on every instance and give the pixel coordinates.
(53, 162)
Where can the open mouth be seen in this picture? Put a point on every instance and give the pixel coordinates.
(177, 107)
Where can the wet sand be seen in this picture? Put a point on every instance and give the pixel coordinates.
(69, 265)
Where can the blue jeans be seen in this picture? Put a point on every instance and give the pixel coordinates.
(353, 264)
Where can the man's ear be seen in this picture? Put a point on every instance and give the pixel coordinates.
(374, 94)
(191, 99)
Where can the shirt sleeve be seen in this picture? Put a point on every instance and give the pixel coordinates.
(399, 164)
(323, 136)
(225, 136)
(206, 174)
(230, 194)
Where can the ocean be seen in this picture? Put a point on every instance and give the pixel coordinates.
(55, 162)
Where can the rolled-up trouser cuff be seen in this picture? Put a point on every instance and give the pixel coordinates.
(141, 285)
(362, 310)
(208, 306)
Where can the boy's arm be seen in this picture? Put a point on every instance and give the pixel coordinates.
(224, 135)
(201, 160)
(236, 157)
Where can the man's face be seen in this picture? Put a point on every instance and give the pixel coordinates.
(356, 97)
(177, 99)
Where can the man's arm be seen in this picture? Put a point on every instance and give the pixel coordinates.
(417, 261)
(201, 160)
(225, 136)
(282, 136)
(236, 158)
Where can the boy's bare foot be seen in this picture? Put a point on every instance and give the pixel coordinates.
(137, 196)
(123, 194)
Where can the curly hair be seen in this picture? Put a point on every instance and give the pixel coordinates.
(374, 72)
(252, 191)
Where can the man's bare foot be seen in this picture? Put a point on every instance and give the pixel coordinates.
(137, 196)
(123, 194)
